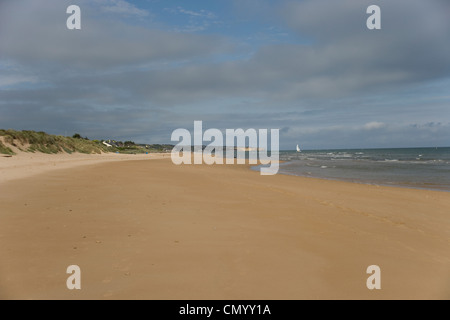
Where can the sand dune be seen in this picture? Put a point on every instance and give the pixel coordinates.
(153, 230)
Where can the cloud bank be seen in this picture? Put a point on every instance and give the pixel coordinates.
(133, 73)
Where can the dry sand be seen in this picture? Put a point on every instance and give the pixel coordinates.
(28, 164)
(152, 230)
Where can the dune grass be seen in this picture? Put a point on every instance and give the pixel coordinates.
(5, 150)
(32, 141)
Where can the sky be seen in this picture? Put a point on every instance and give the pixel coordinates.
(137, 70)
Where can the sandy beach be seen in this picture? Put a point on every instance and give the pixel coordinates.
(140, 227)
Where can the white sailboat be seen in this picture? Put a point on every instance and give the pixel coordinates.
(298, 149)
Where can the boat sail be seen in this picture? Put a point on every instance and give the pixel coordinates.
(298, 149)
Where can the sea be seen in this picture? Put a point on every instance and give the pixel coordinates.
(421, 168)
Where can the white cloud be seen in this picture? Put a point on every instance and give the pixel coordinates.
(123, 7)
(374, 125)
(198, 14)
(11, 80)
(196, 20)
(41, 41)
(141, 76)
(201, 13)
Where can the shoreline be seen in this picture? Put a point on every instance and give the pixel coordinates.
(377, 184)
(422, 186)
(153, 230)
(25, 164)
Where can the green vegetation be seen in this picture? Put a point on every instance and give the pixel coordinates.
(5, 150)
(32, 141)
(160, 147)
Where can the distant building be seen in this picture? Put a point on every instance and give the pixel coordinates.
(113, 143)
